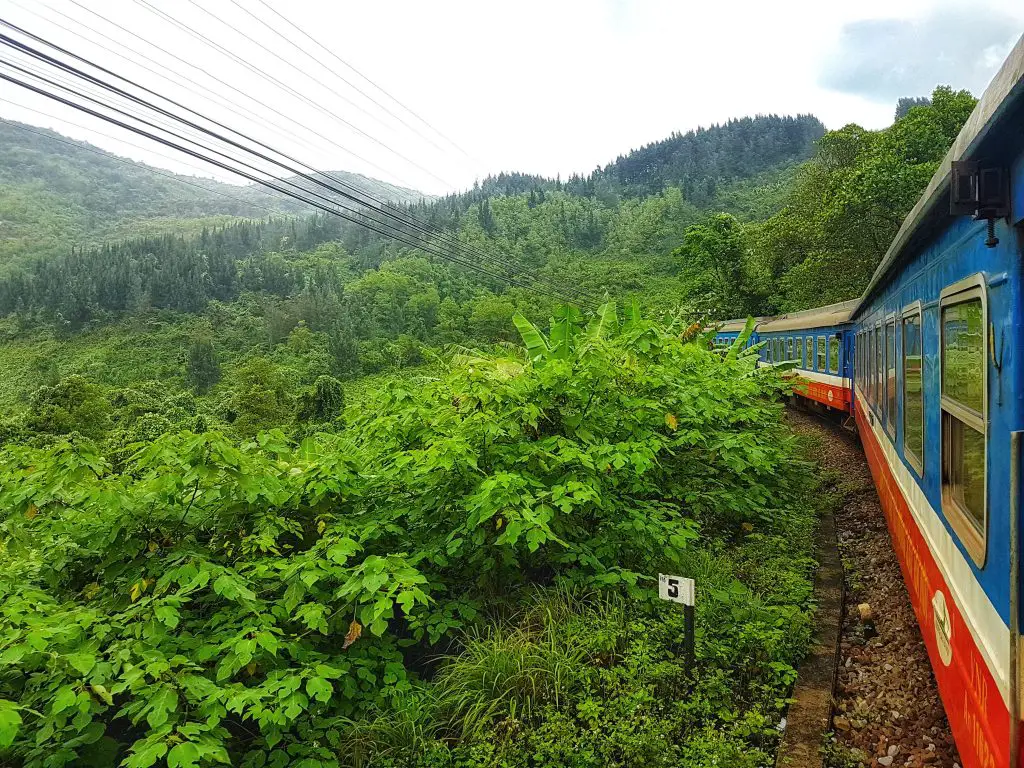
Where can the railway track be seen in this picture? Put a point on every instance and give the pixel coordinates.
(887, 707)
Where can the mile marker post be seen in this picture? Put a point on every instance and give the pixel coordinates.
(678, 589)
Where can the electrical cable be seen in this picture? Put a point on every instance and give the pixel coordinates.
(271, 184)
(284, 86)
(376, 205)
(125, 161)
(344, 63)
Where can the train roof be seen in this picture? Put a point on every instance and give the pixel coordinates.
(820, 317)
(731, 326)
(1004, 92)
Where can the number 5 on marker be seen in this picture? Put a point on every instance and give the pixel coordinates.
(675, 588)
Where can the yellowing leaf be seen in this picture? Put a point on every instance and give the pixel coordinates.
(251, 669)
(748, 527)
(91, 590)
(320, 526)
(355, 629)
(153, 546)
(671, 421)
(31, 512)
(102, 693)
(498, 522)
(137, 589)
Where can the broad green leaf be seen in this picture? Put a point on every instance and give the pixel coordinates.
(10, 722)
(536, 345)
(740, 341)
(319, 689)
(65, 698)
(161, 705)
(605, 323)
(81, 662)
(184, 755)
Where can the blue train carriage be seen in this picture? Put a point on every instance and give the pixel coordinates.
(938, 373)
(820, 343)
(730, 330)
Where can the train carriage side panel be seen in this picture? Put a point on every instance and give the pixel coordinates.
(938, 403)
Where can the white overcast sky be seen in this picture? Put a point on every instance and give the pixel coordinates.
(539, 86)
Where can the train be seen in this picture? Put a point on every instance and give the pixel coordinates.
(927, 365)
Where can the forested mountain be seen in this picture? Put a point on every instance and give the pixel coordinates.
(699, 160)
(56, 192)
(752, 236)
(287, 492)
(696, 162)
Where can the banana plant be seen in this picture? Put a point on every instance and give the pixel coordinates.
(566, 327)
(740, 341)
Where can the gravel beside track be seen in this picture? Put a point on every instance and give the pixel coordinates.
(887, 706)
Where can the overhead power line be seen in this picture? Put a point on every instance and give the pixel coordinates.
(397, 227)
(348, 66)
(282, 85)
(127, 162)
(362, 198)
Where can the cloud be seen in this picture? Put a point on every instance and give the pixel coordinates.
(884, 59)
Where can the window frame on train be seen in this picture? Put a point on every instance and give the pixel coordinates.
(877, 368)
(789, 348)
(856, 359)
(836, 347)
(809, 352)
(910, 312)
(860, 342)
(872, 366)
(889, 382)
(820, 356)
(953, 414)
(799, 351)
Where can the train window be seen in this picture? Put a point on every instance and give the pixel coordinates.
(877, 369)
(809, 345)
(800, 352)
(913, 391)
(864, 367)
(963, 385)
(789, 348)
(890, 377)
(872, 368)
(833, 354)
(821, 354)
(859, 359)
(856, 359)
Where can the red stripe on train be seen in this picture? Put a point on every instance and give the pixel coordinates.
(833, 396)
(975, 708)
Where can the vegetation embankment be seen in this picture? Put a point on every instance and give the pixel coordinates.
(462, 575)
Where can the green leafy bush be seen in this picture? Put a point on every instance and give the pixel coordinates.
(271, 603)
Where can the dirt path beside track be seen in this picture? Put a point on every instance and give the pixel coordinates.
(887, 706)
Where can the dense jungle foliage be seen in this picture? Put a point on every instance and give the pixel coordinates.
(281, 492)
(458, 571)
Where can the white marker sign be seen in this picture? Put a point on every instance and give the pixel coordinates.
(675, 588)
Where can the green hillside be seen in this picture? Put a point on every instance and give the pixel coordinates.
(56, 192)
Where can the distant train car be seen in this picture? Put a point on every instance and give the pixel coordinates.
(930, 362)
(818, 341)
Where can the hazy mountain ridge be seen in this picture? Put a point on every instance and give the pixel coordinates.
(57, 192)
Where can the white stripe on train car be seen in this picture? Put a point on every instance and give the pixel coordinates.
(824, 378)
(990, 633)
